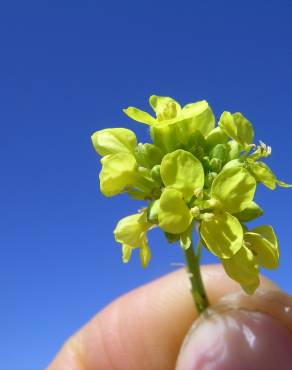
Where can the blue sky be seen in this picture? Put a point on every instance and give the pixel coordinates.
(67, 68)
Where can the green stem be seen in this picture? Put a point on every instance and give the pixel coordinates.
(193, 266)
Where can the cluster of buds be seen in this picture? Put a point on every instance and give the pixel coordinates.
(194, 175)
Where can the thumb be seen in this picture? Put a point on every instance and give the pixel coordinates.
(240, 333)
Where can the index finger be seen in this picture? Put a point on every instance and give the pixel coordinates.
(144, 328)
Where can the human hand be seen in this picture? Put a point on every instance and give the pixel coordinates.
(144, 329)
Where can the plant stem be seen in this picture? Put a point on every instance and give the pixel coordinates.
(193, 266)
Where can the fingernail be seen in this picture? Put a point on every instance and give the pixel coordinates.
(237, 340)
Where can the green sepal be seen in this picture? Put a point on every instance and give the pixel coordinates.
(126, 253)
(234, 188)
(145, 255)
(131, 230)
(251, 212)
(216, 136)
(152, 211)
(174, 216)
(283, 184)
(171, 238)
(223, 235)
(186, 237)
(182, 171)
(243, 269)
(113, 141)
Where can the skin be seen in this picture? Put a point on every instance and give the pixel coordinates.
(145, 327)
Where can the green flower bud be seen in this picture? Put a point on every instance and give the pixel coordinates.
(152, 212)
(215, 165)
(155, 174)
(209, 178)
(233, 150)
(148, 155)
(220, 152)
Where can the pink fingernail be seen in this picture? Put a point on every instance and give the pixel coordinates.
(237, 340)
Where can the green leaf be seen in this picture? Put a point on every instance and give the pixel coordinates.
(174, 216)
(182, 171)
(139, 115)
(117, 173)
(234, 188)
(223, 235)
(126, 253)
(243, 269)
(264, 245)
(237, 127)
(145, 255)
(165, 108)
(114, 140)
(131, 230)
(252, 211)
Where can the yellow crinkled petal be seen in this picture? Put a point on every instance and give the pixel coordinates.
(114, 140)
(263, 174)
(237, 127)
(173, 134)
(131, 230)
(234, 188)
(173, 216)
(222, 234)
(182, 171)
(262, 241)
(243, 269)
(165, 108)
(117, 173)
(139, 115)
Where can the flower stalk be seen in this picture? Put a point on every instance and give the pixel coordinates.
(198, 291)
